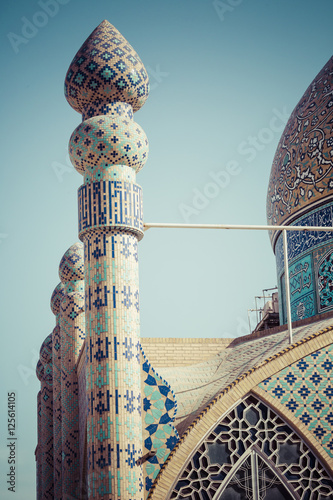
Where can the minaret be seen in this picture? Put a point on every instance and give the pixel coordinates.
(72, 336)
(47, 418)
(56, 361)
(39, 454)
(107, 82)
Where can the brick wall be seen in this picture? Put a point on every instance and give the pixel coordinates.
(181, 351)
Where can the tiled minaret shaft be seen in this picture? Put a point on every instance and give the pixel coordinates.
(39, 454)
(72, 336)
(56, 361)
(47, 418)
(106, 82)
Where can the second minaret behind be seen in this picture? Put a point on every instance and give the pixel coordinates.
(106, 82)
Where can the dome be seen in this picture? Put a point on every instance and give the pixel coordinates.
(56, 298)
(106, 69)
(103, 140)
(71, 266)
(302, 171)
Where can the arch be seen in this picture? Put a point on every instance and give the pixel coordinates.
(252, 453)
(255, 476)
(231, 395)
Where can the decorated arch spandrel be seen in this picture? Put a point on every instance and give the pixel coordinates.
(292, 435)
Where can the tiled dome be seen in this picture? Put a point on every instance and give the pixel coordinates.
(71, 266)
(106, 69)
(302, 172)
(56, 298)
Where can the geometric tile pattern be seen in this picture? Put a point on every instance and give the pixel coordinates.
(302, 242)
(325, 281)
(306, 389)
(197, 385)
(252, 444)
(71, 266)
(304, 249)
(114, 426)
(107, 82)
(302, 169)
(302, 290)
(56, 363)
(83, 412)
(72, 334)
(57, 439)
(106, 69)
(159, 410)
(302, 299)
(108, 140)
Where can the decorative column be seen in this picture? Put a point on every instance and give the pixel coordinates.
(56, 359)
(72, 336)
(47, 418)
(39, 454)
(107, 82)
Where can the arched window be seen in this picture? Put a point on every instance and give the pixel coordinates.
(252, 454)
(256, 479)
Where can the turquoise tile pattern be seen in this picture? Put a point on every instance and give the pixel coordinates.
(215, 468)
(196, 385)
(305, 388)
(107, 83)
(105, 69)
(159, 409)
(301, 175)
(72, 335)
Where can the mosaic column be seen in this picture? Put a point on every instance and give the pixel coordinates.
(47, 418)
(72, 336)
(40, 376)
(107, 82)
(83, 412)
(56, 359)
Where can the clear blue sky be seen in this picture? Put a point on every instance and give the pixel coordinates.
(222, 78)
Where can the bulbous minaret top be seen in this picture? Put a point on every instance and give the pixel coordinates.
(106, 69)
(302, 171)
(71, 266)
(107, 82)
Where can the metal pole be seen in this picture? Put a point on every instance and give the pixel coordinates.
(148, 225)
(286, 279)
(284, 230)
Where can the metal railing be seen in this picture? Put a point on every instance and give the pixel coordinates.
(284, 229)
